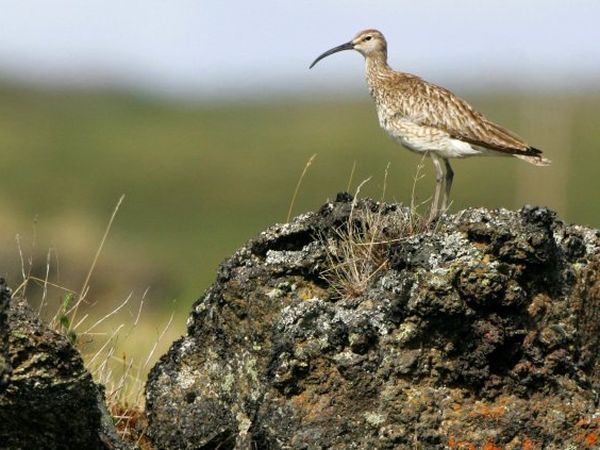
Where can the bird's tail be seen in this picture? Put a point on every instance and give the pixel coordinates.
(537, 160)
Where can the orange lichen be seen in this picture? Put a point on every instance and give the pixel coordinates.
(300, 398)
(453, 443)
(456, 407)
(591, 439)
(584, 423)
(489, 411)
(528, 444)
(491, 446)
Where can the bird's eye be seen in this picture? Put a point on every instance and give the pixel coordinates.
(368, 38)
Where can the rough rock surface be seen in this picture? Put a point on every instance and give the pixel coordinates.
(481, 333)
(47, 398)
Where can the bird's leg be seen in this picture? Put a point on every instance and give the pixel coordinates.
(449, 177)
(439, 181)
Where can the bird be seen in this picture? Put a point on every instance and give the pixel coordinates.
(426, 118)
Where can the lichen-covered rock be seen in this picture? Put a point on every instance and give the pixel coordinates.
(47, 398)
(481, 332)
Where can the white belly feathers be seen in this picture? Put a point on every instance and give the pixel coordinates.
(419, 138)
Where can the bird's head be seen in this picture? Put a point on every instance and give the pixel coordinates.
(367, 43)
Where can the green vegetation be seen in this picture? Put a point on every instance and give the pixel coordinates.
(202, 178)
(64, 320)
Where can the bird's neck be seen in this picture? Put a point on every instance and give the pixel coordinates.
(377, 69)
(377, 72)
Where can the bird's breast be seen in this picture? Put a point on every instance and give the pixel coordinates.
(387, 115)
(389, 104)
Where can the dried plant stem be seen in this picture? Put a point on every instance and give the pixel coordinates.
(351, 176)
(85, 286)
(385, 177)
(307, 165)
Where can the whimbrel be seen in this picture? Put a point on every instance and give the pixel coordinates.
(427, 118)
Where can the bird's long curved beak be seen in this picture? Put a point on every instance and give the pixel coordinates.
(339, 48)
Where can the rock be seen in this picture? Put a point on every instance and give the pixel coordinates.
(47, 398)
(483, 332)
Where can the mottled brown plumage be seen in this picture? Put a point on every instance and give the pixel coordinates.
(428, 118)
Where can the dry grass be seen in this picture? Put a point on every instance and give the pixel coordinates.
(358, 252)
(295, 194)
(97, 335)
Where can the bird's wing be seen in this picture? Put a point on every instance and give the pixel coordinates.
(430, 105)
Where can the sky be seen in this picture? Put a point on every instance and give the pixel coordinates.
(264, 47)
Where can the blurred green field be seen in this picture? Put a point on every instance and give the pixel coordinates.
(202, 178)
